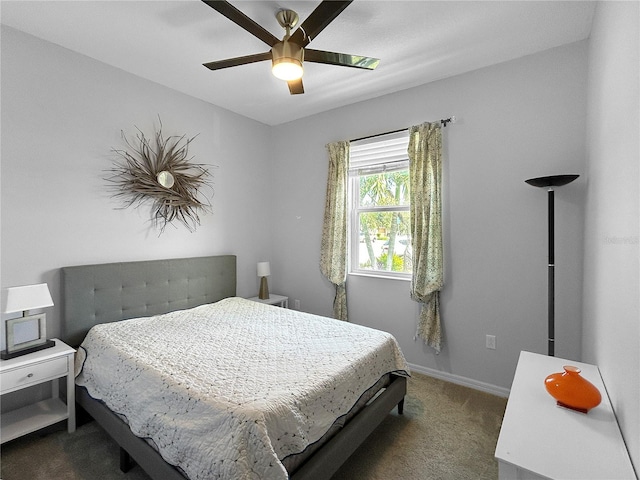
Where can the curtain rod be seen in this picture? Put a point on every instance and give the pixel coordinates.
(444, 122)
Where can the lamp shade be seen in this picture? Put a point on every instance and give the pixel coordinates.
(264, 270)
(551, 181)
(19, 299)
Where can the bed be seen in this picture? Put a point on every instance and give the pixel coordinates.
(138, 305)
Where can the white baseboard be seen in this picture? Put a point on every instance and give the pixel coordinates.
(464, 381)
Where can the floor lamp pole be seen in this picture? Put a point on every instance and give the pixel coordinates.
(550, 182)
(551, 283)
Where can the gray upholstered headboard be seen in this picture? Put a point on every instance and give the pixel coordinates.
(110, 292)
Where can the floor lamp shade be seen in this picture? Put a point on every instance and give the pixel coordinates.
(550, 182)
(264, 270)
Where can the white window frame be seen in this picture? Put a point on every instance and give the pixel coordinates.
(383, 153)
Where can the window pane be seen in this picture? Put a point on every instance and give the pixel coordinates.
(384, 241)
(384, 189)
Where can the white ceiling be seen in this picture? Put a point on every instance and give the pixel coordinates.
(417, 41)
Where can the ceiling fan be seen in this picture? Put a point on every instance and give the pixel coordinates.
(287, 55)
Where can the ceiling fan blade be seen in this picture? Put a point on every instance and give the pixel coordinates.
(342, 59)
(240, 19)
(295, 87)
(232, 62)
(322, 16)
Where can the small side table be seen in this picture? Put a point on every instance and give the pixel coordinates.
(277, 300)
(47, 365)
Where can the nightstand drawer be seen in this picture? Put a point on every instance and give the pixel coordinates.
(33, 374)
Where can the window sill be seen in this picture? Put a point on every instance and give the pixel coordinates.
(381, 276)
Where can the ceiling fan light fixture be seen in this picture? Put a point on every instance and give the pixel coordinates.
(287, 69)
(288, 55)
(287, 58)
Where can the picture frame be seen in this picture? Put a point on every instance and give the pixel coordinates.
(26, 335)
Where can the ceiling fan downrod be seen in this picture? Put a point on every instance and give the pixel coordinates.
(287, 56)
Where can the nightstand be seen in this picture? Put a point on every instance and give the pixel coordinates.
(27, 370)
(278, 300)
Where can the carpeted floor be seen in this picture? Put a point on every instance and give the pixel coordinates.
(447, 432)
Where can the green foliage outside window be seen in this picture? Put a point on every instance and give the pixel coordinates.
(384, 222)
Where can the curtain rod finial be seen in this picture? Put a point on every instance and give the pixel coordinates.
(452, 119)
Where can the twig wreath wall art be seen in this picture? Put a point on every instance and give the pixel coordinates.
(159, 171)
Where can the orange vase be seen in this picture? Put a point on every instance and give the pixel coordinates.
(573, 391)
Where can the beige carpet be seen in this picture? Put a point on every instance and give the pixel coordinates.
(447, 432)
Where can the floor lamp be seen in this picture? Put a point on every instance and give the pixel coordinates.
(550, 183)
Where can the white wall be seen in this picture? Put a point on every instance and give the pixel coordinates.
(612, 241)
(520, 119)
(62, 113)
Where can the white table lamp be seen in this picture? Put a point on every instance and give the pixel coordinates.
(264, 270)
(28, 333)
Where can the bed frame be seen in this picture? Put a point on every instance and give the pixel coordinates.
(94, 294)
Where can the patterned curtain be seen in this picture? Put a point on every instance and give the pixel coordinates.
(425, 174)
(333, 251)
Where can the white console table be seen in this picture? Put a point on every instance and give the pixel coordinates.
(539, 440)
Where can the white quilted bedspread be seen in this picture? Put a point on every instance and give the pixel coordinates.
(225, 390)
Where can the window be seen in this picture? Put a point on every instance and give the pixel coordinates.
(380, 225)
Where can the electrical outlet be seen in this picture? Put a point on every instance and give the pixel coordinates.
(296, 304)
(491, 342)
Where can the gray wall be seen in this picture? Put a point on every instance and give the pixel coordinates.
(62, 113)
(611, 263)
(520, 119)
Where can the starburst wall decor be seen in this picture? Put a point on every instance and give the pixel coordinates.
(161, 172)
